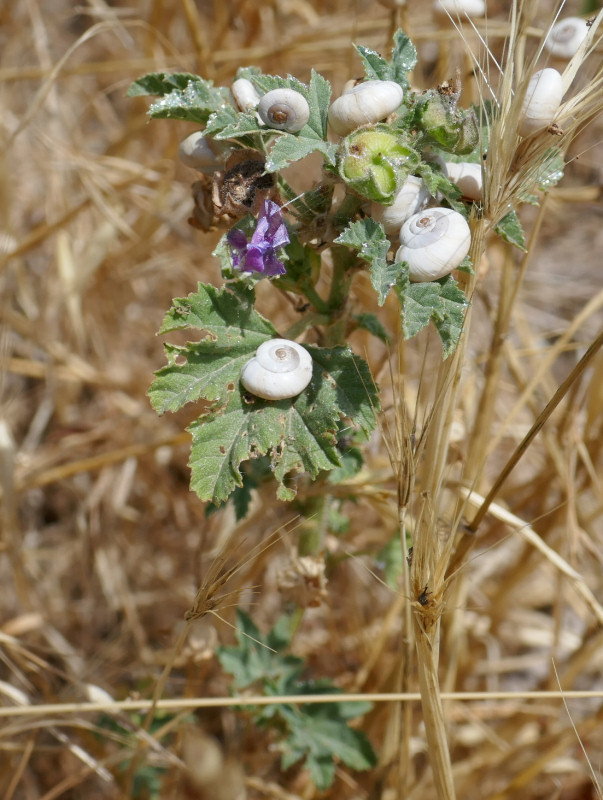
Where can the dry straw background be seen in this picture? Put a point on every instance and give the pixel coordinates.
(103, 547)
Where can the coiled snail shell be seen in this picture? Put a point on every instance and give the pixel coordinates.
(566, 36)
(363, 104)
(244, 93)
(279, 369)
(196, 152)
(468, 177)
(541, 102)
(284, 109)
(408, 200)
(434, 242)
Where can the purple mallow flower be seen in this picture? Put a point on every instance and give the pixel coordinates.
(259, 255)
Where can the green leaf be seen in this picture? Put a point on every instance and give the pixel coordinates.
(370, 323)
(404, 58)
(454, 308)
(368, 238)
(299, 434)
(319, 99)
(510, 229)
(193, 103)
(376, 68)
(421, 303)
(289, 148)
(392, 561)
(160, 83)
(439, 301)
(228, 123)
(320, 740)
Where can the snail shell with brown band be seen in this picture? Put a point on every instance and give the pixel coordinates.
(284, 109)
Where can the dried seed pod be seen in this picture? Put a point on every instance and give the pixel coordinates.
(434, 242)
(468, 177)
(566, 36)
(365, 103)
(279, 369)
(541, 102)
(408, 200)
(244, 93)
(284, 109)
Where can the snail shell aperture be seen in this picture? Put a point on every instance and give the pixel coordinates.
(363, 104)
(279, 369)
(284, 109)
(434, 242)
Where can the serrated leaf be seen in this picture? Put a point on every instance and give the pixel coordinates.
(299, 434)
(289, 148)
(404, 58)
(450, 324)
(368, 238)
(230, 124)
(319, 99)
(421, 303)
(510, 229)
(160, 83)
(439, 301)
(376, 68)
(195, 103)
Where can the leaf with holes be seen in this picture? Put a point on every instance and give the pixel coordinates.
(298, 434)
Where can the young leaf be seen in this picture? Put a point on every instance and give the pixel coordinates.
(404, 58)
(161, 83)
(194, 103)
(376, 67)
(420, 303)
(368, 238)
(510, 229)
(319, 99)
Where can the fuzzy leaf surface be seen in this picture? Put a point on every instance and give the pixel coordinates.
(439, 301)
(510, 229)
(298, 434)
(368, 238)
(193, 103)
(160, 83)
(289, 148)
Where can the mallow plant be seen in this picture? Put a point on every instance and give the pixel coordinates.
(410, 185)
(383, 203)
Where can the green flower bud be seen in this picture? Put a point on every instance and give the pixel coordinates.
(440, 121)
(375, 162)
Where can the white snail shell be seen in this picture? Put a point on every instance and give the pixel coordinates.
(434, 242)
(541, 102)
(468, 177)
(454, 8)
(245, 94)
(279, 369)
(566, 36)
(196, 152)
(284, 109)
(408, 200)
(364, 104)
